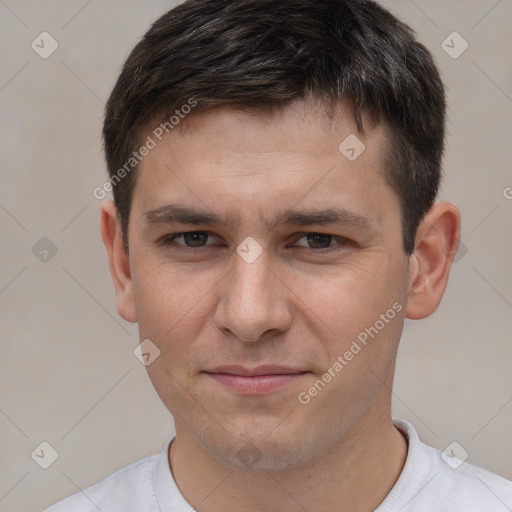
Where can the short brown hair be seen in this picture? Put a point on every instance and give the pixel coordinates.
(263, 54)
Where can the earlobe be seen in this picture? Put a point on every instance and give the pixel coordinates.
(436, 245)
(119, 262)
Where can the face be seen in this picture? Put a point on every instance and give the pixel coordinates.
(264, 261)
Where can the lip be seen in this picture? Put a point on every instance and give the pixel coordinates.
(269, 369)
(255, 381)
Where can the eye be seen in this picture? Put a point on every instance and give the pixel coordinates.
(312, 242)
(321, 241)
(189, 239)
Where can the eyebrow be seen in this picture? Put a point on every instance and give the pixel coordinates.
(175, 214)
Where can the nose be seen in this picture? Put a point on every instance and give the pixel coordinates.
(254, 301)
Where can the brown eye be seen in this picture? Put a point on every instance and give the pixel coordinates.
(316, 241)
(319, 241)
(195, 239)
(192, 239)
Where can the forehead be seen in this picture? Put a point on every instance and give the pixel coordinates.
(244, 163)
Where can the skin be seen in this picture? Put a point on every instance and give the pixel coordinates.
(209, 307)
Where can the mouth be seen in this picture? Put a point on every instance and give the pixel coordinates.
(255, 381)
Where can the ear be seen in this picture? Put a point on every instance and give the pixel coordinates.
(437, 241)
(119, 261)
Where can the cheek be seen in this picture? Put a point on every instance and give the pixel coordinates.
(165, 294)
(175, 307)
(167, 304)
(171, 313)
(346, 301)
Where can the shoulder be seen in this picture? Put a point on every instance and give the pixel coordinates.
(435, 480)
(129, 488)
(457, 483)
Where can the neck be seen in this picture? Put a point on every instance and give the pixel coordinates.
(355, 475)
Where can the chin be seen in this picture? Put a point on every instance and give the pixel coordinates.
(257, 450)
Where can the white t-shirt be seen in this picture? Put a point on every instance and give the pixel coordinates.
(427, 483)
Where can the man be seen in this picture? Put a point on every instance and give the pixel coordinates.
(275, 167)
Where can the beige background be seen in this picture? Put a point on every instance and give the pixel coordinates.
(68, 374)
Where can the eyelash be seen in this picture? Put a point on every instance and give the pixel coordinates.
(168, 241)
